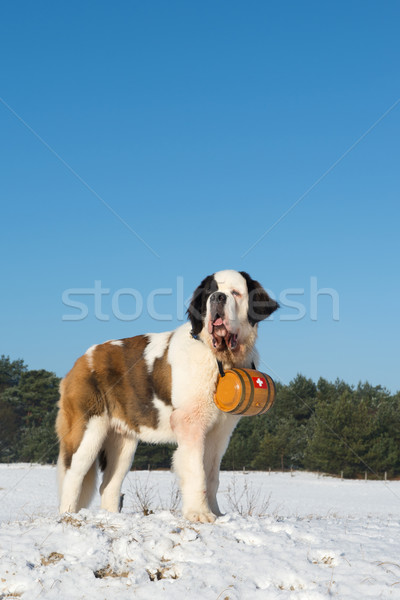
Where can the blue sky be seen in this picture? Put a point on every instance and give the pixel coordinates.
(146, 145)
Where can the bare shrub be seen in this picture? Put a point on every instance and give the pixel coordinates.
(142, 494)
(247, 500)
(145, 497)
(174, 499)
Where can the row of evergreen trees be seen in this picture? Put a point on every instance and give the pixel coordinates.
(28, 408)
(330, 427)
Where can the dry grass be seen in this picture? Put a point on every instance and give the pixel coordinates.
(325, 560)
(223, 592)
(162, 573)
(290, 588)
(70, 520)
(387, 566)
(109, 572)
(52, 559)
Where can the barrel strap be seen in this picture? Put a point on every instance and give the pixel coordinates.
(221, 368)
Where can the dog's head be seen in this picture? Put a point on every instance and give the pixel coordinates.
(226, 308)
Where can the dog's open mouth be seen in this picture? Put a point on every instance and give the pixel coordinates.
(221, 337)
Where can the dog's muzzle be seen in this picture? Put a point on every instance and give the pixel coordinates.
(218, 326)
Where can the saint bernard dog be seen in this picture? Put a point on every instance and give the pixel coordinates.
(158, 388)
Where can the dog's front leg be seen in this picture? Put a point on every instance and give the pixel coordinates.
(216, 443)
(189, 429)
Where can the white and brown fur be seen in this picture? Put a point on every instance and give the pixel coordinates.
(159, 388)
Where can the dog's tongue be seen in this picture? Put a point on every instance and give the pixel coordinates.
(218, 321)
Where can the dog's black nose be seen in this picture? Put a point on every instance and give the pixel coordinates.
(218, 297)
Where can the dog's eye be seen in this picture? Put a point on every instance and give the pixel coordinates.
(236, 293)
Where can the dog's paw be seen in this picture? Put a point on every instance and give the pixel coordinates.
(199, 517)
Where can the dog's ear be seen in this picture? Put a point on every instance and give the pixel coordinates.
(198, 304)
(261, 305)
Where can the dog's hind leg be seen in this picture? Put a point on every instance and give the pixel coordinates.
(74, 493)
(88, 484)
(115, 460)
(61, 470)
(88, 487)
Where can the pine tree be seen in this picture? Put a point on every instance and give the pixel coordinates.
(340, 436)
(10, 372)
(282, 449)
(30, 407)
(296, 399)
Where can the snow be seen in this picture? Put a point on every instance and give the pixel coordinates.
(307, 537)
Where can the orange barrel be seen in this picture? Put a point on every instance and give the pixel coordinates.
(245, 392)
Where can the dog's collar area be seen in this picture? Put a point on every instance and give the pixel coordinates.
(219, 363)
(221, 368)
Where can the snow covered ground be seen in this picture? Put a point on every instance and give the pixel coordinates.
(307, 537)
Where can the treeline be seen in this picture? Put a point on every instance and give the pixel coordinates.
(28, 408)
(329, 427)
